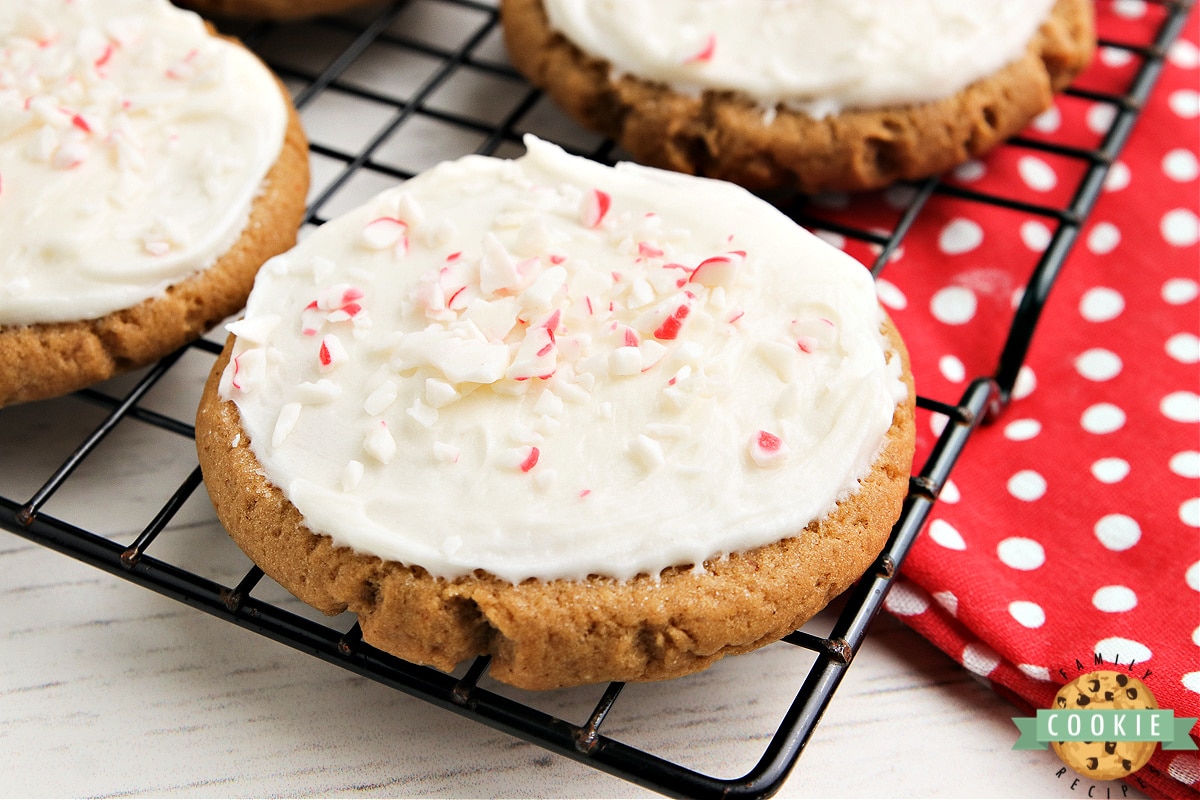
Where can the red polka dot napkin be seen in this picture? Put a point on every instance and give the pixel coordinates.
(1071, 525)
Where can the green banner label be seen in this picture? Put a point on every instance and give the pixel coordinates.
(1105, 725)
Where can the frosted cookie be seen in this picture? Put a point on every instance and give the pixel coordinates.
(811, 94)
(147, 169)
(272, 9)
(600, 424)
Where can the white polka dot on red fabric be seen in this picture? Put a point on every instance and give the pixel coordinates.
(946, 535)
(1118, 532)
(1022, 430)
(960, 236)
(1028, 613)
(1184, 348)
(1196, 636)
(1037, 174)
(1103, 418)
(1186, 464)
(1183, 53)
(1027, 485)
(1185, 768)
(1193, 576)
(1021, 553)
(1123, 650)
(1100, 118)
(953, 305)
(1118, 177)
(1098, 364)
(1110, 470)
(890, 295)
(1181, 165)
(947, 600)
(1115, 56)
(1049, 120)
(950, 493)
(1178, 291)
(906, 600)
(970, 171)
(1025, 383)
(1189, 512)
(1035, 235)
(938, 422)
(1114, 599)
(1035, 672)
(1180, 227)
(1185, 103)
(1191, 681)
(1101, 304)
(1130, 9)
(1181, 407)
(980, 659)
(1103, 238)
(952, 369)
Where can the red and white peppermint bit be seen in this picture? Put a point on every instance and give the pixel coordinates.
(522, 458)
(236, 366)
(596, 204)
(104, 58)
(807, 344)
(767, 449)
(669, 329)
(705, 53)
(331, 354)
(647, 250)
(311, 319)
(718, 270)
(383, 233)
(184, 68)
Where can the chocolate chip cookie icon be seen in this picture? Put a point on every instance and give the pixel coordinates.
(1104, 689)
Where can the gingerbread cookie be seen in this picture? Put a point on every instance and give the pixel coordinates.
(817, 95)
(147, 169)
(1105, 761)
(272, 9)
(599, 424)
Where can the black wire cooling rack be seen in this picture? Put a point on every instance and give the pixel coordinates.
(381, 82)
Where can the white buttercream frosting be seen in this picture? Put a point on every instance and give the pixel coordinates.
(132, 146)
(818, 56)
(551, 368)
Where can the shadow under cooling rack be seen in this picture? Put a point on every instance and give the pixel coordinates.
(385, 94)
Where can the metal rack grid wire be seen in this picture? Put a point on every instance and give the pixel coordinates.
(582, 740)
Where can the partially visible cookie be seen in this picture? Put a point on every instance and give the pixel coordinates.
(149, 168)
(1105, 689)
(272, 9)
(719, 101)
(599, 424)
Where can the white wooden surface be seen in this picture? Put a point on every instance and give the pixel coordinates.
(108, 690)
